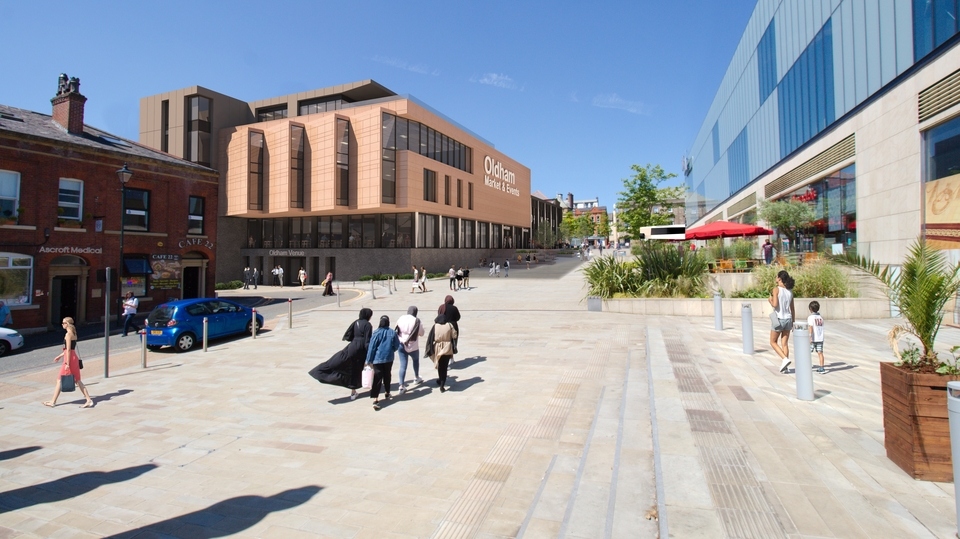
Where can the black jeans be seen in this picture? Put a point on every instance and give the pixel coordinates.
(381, 373)
(442, 365)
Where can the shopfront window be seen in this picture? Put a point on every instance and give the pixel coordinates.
(450, 233)
(405, 230)
(136, 210)
(16, 278)
(467, 233)
(428, 231)
(834, 203)
(941, 172)
(136, 268)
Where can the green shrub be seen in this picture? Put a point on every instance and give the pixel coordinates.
(669, 271)
(607, 276)
(230, 285)
(813, 280)
(743, 249)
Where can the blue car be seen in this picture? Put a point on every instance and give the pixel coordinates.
(180, 323)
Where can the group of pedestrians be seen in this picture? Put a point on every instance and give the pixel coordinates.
(495, 269)
(250, 277)
(782, 319)
(375, 350)
(419, 280)
(459, 278)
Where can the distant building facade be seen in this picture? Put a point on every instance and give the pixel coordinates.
(351, 179)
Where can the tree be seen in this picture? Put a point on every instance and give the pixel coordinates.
(787, 217)
(575, 226)
(643, 203)
(544, 237)
(603, 229)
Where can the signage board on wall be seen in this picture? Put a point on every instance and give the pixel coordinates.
(166, 272)
(498, 177)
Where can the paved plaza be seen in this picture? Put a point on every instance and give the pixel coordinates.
(546, 431)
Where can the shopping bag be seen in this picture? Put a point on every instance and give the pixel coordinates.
(366, 378)
(66, 383)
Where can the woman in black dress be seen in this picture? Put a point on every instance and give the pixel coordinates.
(345, 368)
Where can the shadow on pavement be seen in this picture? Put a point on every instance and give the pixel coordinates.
(466, 362)
(97, 399)
(224, 518)
(456, 384)
(67, 487)
(14, 453)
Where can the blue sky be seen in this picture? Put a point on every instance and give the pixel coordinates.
(576, 91)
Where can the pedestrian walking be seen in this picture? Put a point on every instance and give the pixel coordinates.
(130, 306)
(452, 275)
(380, 355)
(460, 278)
(416, 281)
(280, 275)
(815, 323)
(409, 330)
(276, 275)
(781, 319)
(423, 278)
(767, 252)
(302, 275)
(492, 268)
(506, 268)
(71, 365)
(328, 284)
(247, 276)
(256, 277)
(452, 314)
(345, 368)
(466, 278)
(440, 348)
(496, 270)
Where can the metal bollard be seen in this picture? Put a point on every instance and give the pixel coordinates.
(338, 295)
(143, 348)
(746, 316)
(289, 313)
(801, 362)
(717, 312)
(372, 291)
(253, 324)
(395, 283)
(206, 327)
(953, 413)
(389, 290)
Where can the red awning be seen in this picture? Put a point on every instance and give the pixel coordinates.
(726, 229)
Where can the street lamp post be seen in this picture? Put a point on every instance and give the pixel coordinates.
(124, 174)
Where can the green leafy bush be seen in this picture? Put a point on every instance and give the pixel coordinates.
(659, 270)
(229, 285)
(743, 249)
(607, 276)
(813, 280)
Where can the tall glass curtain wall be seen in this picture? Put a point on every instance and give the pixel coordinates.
(834, 202)
(803, 70)
(403, 134)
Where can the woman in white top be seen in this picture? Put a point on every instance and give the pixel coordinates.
(781, 320)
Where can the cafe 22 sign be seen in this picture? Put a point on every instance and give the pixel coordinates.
(497, 176)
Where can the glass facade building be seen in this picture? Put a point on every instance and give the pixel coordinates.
(794, 109)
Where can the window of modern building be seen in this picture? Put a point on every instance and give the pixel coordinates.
(388, 178)
(805, 96)
(70, 199)
(255, 172)
(767, 61)
(450, 234)
(319, 104)
(467, 228)
(483, 235)
(275, 112)
(459, 193)
(198, 130)
(405, 230)
(355, 231)
(371, 235)
(343, 162)
(253, 233)
(298, 142)
(941, 148)
(388, 230)
(165, 125)
(508, 237)
(16, 272)
(308, 238)
(428, 231)
(281, 233)
(403, 134)
(469, 195)
(266, 227)
(195, 215)
(446, 190)
(429, 185)
(137, 208)
(934, 22)
(834, 202)
(9, 194)
(496, 237)
(738, 164)
(715, 136)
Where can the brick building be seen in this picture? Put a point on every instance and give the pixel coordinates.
(60, 212)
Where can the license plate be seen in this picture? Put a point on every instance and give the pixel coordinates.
(156, 332)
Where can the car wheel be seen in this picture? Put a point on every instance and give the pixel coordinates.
(154, 347)
(185, 342)
(4, 347)
(250, 327)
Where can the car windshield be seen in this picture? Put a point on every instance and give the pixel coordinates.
(160, 315)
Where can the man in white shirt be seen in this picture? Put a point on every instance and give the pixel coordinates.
(130, 305)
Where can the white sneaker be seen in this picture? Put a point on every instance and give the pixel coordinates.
(402, 390)
(784, 365)
(419, 380)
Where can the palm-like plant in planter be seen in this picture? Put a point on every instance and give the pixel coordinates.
(914, 396)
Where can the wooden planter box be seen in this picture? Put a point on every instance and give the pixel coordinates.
(916, 430)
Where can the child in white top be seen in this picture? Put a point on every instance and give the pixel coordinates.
(815, 322)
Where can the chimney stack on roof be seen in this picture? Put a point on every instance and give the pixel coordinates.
(68, 105)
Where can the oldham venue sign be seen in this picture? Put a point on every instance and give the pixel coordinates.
(497, 176)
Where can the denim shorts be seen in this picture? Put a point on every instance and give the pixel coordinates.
(816, 347)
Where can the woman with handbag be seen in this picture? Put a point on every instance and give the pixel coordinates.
(781, 319)
(440, 348)
(452, 314)
(345, 368)
(380, 356)
(328, 284)
(70, 370)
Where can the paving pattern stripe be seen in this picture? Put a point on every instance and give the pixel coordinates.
(536, 499)
(615, 471)
(571, 501)
(740, 501)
